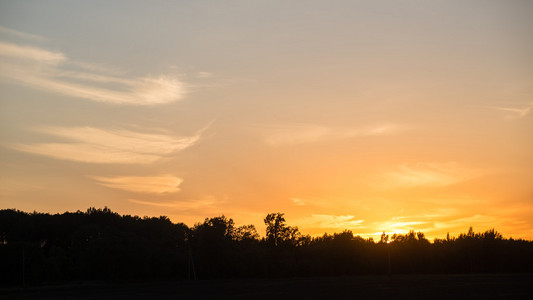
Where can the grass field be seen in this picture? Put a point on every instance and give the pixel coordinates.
(477, 286)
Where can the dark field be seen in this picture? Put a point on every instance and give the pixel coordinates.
(480, 286)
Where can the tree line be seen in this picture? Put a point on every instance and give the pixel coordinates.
(99, 244)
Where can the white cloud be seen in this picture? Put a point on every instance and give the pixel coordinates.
(95, 145)
(162, 184)
(46, 70)
(306, 133)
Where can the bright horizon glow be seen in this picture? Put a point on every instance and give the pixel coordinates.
(360, 115)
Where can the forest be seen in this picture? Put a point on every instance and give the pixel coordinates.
(99, 244)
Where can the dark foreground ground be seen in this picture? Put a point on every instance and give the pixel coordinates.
(479, 286)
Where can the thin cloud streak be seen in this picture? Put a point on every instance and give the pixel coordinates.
(515, 113)
(163, 184)
(298, 201)
(20, 34)
(426, 174)
(339, 222)
(470, 221)
(180, 206)
(301, 134)
(30, 53)
(94, 145)
(86, 153)
(43, 69)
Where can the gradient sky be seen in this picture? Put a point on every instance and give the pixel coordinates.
(364, 115)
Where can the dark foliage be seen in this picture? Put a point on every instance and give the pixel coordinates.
(99, 244)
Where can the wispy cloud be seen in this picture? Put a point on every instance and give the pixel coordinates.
(473, 220)
(332, 221)
(204, 75)
(298, 201)
(95, 145)
(307, 133)
(20, 34)
(179, 205)
(51, 71)
(515, 113)
(97, 68)
(162, 184)
(426, 174)
(14, 51)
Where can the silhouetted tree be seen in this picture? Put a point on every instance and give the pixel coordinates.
(246, 233)
(275, 227)
(277, 231)
(99, 244)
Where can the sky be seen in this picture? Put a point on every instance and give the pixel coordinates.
(371, 116)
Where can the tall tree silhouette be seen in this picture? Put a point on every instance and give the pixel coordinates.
(277, 230)
(99, 244)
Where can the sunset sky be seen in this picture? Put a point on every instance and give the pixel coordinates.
(370, 116)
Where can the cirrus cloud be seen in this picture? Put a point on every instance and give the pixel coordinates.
(96, 145)
(309, 133)
(436, 174)
(14, 51)
(162, 184)
(54, 72)
(20, 34)
(332, 221)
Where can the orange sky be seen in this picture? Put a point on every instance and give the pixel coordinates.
(364, 115)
